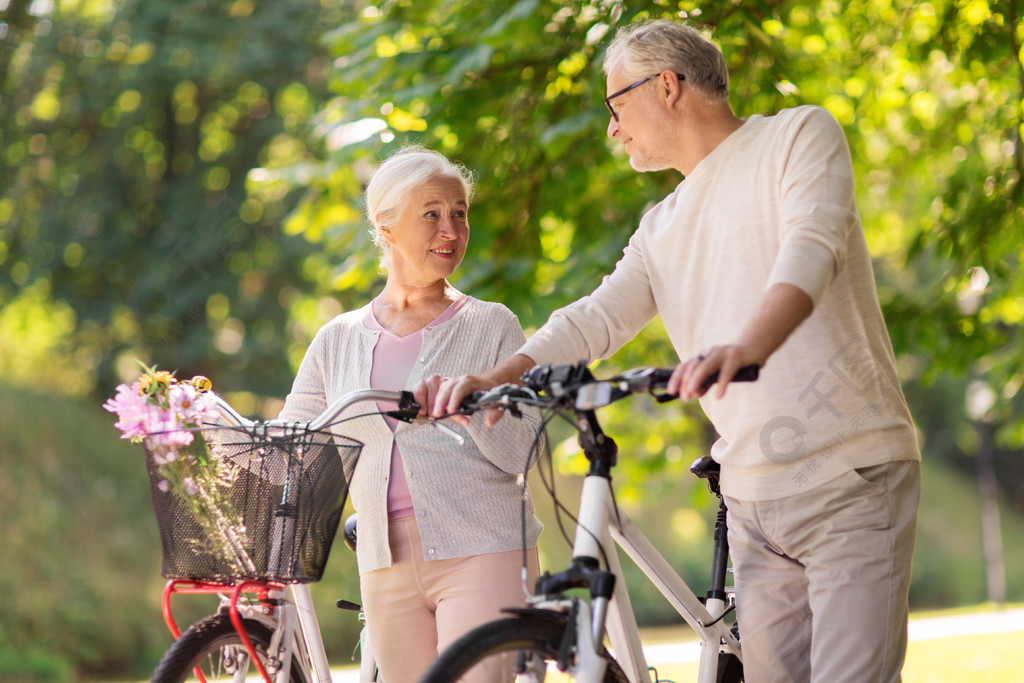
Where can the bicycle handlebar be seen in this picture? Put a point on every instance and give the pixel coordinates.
(548, 384)
(408, 409)
(541, 385)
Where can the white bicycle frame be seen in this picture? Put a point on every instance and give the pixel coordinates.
(599, 525)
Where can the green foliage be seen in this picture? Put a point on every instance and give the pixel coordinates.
(154, 152)
(82, 555)
(512, 92)
(949, 566)
(76, 553)
(129, 130)
(929, 95)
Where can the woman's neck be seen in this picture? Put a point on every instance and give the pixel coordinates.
(404, 309)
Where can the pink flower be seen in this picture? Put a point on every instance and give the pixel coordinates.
(182, 400)
(206, 409)
(125, 397)
(132, 411)
(162, 412)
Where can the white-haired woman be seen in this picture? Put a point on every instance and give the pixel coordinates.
(440, 524)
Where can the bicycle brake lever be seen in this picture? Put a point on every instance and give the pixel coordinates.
(398, 415)
(408, 409)
(450, 432)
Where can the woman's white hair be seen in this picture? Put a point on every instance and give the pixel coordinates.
(651, 47)
(395, 179)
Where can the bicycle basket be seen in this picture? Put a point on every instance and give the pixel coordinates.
(233, 505)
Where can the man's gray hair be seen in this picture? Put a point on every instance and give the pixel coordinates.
(651, 47)
(398, 176)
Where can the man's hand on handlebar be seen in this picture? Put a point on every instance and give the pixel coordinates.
(689, 379)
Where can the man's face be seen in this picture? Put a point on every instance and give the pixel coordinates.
(637, 111)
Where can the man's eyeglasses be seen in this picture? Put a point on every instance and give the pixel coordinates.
(608, 100)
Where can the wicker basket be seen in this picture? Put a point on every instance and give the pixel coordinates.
(238, 506)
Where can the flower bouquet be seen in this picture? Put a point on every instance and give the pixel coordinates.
(167, 416)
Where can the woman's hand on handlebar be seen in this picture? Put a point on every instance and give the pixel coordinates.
(689, 379)
(442, 396)
(437, 394)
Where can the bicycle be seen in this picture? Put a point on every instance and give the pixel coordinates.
(289, 482)
(565, 631)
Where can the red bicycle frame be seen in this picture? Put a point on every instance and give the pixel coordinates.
(260, 589)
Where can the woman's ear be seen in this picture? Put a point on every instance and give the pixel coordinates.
(383, 229)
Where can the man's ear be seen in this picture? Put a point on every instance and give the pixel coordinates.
(670, 87)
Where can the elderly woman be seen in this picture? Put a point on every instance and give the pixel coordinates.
(440, 523)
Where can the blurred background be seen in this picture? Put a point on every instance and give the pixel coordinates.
(181, 185)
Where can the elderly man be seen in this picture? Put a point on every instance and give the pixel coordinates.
(758, 257)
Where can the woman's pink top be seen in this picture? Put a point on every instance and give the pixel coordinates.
(393, 360)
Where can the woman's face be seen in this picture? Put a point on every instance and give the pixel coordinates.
(428, 238)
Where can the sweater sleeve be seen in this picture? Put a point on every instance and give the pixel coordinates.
(512, 444)
(818, 210)
(597, 325)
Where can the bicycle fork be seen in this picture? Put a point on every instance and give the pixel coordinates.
(609, 607)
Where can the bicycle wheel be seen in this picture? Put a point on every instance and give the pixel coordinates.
(730, 668)
(521, 649)
(215, 647)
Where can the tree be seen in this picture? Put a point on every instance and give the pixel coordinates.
(152, 154)
(929, 95)
(129, 131)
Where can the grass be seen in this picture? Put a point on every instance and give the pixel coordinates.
(992, 658)
(966, 658)
(943, 660)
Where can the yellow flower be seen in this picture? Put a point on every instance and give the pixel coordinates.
(164, 378)
(155, 383)
(144, 383)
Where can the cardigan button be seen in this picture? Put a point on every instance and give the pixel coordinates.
(430, 552)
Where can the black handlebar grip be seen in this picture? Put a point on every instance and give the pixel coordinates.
(744, 374)
(469, 403)
(660, 376)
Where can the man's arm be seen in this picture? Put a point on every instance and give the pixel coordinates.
(781, 311)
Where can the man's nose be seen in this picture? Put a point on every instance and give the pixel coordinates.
(613, 127)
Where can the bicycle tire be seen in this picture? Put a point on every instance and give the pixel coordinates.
(538, 633)
(730, 668)
(215, 646)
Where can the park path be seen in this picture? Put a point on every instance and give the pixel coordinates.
(920, 628)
